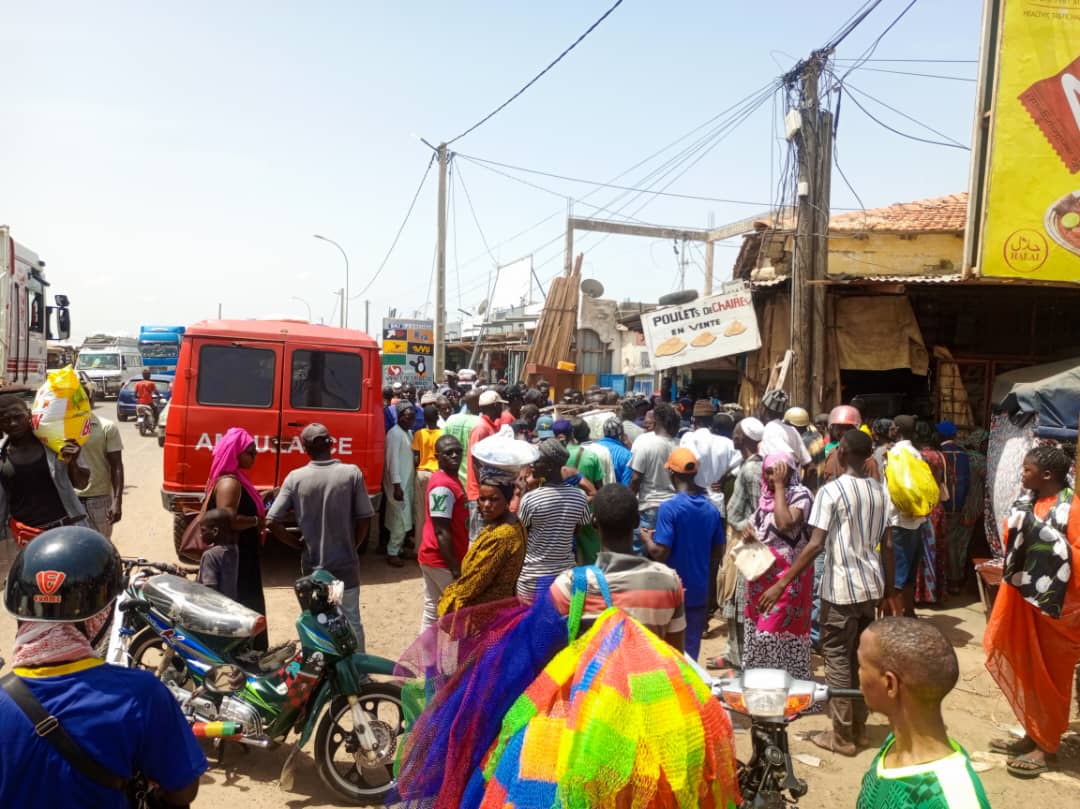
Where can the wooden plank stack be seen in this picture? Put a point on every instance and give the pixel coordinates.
(558, 320)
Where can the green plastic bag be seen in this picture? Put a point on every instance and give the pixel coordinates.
(912, 486)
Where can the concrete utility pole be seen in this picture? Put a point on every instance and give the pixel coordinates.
(814, 145)
(440, 271)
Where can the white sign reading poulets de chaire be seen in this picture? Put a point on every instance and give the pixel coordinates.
(716, 326)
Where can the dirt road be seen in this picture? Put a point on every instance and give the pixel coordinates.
(391, 605)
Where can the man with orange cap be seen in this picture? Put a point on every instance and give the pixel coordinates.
(689, 534)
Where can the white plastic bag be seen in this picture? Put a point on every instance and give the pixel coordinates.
(505, 452)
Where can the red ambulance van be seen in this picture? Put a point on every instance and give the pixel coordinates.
(271, 377)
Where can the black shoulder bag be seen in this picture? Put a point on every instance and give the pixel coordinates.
(48, 727)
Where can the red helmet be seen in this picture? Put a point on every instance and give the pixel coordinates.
(845, 414)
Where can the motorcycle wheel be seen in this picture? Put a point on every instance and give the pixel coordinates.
(146, 650)
(336, 744)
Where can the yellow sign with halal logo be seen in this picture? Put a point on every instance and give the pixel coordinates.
(1032, 205)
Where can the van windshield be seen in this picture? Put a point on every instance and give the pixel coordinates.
(97, 362)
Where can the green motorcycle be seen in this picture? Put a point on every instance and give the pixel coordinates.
(198, 643)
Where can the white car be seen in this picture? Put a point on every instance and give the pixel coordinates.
(162, 416)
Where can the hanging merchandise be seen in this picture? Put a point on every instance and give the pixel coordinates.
(618, 718)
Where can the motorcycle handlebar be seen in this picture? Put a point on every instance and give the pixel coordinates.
(845, 693)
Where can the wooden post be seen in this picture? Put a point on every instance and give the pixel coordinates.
(709, 250)
(818, 291)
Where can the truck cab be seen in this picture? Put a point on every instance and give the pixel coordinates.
(272, 378)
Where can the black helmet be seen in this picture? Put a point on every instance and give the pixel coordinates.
(65, 574)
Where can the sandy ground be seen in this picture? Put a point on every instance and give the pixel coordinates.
(391, 606)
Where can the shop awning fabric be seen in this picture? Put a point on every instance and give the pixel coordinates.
(879, 333)
(1052, 391)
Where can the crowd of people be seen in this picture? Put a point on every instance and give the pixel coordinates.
(791, 534)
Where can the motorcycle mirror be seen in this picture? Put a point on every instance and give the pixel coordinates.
(224, 679)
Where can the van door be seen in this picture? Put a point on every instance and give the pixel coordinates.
(231, 383)
(328, 385)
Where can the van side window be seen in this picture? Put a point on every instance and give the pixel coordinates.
(235, 376)
(326, 380)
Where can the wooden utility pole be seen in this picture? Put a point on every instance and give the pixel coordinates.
(818, 290)
(440, 271)
(811, 239)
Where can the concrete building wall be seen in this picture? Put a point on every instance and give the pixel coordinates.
(895, 254)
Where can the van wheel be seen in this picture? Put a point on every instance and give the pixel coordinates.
(180, 524)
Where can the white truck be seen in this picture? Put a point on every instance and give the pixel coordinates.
(26, 320)
(109, 361)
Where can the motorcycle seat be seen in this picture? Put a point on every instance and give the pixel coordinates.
(199, 608)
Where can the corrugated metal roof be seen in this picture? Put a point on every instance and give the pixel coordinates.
(854, 280)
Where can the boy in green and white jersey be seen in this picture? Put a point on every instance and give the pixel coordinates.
(906, 668)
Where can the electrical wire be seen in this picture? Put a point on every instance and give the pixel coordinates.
(694, 152)
(920, 75)
(951, 141)
(474, 159)
(919, 61)
(539, 75)
(907, 135)
(869, 51)
(401, 227)
(855, 22)
(476, 219)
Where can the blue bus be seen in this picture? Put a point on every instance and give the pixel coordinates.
(160, 347)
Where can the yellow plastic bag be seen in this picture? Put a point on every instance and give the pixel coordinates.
(912, 486)
(61, 410)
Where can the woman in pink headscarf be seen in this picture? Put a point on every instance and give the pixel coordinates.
(779, 637)
(230, 488)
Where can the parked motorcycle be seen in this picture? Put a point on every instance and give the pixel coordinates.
(772, 699)
(198, 643)
(144, 419)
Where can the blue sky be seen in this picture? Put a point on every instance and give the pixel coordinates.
(163, 158)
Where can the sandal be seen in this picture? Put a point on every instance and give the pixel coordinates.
(1026, 767)
(1012, 746)
(828, 740)
(719, 662)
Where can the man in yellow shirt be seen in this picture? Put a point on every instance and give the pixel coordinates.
(427, 464)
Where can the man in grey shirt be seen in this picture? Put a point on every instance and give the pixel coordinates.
(333, 511)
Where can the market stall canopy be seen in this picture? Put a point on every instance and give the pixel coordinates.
(1052, 391)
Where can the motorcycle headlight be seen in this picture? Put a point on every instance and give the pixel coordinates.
(335, 592)
(765, 702)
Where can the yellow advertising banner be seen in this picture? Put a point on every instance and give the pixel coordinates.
(1031, 228)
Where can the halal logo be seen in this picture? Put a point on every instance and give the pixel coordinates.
(48, 582)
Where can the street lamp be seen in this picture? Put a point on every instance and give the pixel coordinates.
(345, 304)
(308, 305)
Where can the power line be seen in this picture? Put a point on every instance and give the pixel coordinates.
(907, 135)
(401, 227)
(476, 219)
(866, 54)
(901, 113)
(473, 159)
(920, 75)
(539, 75)
(652, 177)
(852, 23)
(920, 61)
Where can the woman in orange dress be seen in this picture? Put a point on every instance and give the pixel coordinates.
(1032, 641)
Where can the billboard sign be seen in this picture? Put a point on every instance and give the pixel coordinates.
(408, 351)
(1030, 194)
(716, 326)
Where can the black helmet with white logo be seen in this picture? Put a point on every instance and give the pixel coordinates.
(65, 574)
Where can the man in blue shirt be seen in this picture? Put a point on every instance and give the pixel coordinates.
(689, 535)
(60, 588)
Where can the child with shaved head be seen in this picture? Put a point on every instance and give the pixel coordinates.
(906, 668)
